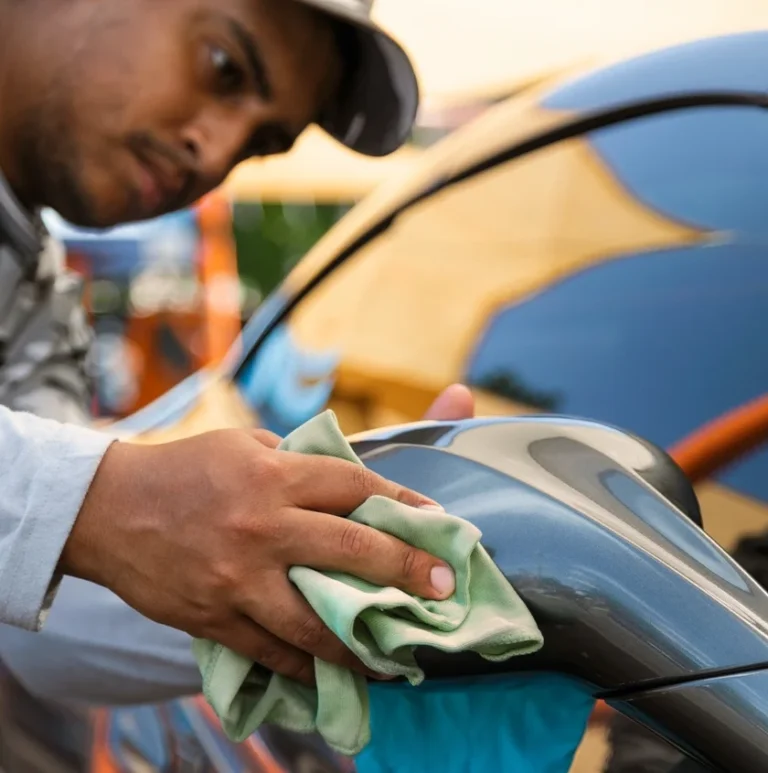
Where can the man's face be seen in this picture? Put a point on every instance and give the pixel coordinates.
(158, 100)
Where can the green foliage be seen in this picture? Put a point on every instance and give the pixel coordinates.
(272, 238)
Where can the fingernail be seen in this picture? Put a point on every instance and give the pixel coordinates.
(443, 580)
(434, 507)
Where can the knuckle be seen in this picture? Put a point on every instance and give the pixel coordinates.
(262, 478)
(305, 672)
(269, 656)
(265, 437)
(213, 625)
(211, 619)
(364, 483)
(269, 468)
(414, 564)
(260, 469)
(311, 634)
(221, 583)
(356, 541)
(258, 526)
(408, 497)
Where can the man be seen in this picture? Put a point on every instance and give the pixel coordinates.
(118, 111)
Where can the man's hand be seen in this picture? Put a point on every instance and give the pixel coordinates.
(454, 403)
(200, 534)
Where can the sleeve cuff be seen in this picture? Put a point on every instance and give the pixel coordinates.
(54, 468)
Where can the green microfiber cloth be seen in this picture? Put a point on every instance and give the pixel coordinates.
(382, 626)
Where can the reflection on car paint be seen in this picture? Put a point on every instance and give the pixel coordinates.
(285, 385)
(657, 516)
(185, 736)
(632, 342)
(696, 176)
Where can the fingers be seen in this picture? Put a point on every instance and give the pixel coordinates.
(287, 615)
(265, 437)
(338, 544)
(454, 403)
(255, 643)
(329, 485)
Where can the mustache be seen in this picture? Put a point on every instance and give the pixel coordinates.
(180, 162)
(144, 142)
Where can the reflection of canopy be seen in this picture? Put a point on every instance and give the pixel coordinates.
(316, 170)
(463, 45)
(447, 265)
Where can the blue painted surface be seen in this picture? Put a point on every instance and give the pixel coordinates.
(704, 166)
(657, 344)
(707, 168)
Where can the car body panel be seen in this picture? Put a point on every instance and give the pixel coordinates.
(719, 720)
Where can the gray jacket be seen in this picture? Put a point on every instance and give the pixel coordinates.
(44, 334)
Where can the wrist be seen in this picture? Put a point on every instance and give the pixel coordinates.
(92, 551)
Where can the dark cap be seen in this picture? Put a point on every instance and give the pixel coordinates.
(375, 109)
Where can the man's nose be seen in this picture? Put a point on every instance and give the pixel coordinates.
(216, 140)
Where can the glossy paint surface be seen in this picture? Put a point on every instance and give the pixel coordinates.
(626, 587)
(598, 532)
(721, 721)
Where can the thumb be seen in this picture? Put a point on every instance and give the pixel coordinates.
(454, 403)
(266, 438)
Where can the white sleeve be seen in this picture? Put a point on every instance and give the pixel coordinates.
(46, 469)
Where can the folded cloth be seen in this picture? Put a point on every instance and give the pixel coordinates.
(382, 626)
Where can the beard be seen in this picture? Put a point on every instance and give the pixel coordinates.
(59, 142)
(50, 164)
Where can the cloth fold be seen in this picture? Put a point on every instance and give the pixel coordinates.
(382, 626)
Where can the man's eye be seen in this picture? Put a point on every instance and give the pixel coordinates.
(230, 77)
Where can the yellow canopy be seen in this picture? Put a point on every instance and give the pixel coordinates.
(318, 169)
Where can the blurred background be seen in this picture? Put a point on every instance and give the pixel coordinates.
(621, 275)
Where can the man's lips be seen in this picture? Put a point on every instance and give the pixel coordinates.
(161, 185)
(149, 189)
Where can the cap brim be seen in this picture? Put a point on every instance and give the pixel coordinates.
(376, 111)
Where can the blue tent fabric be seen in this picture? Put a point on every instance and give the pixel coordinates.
(527, 723)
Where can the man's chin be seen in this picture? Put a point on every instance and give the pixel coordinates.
(97, 219)
(82, 214)
(100, 212)
(94, 210)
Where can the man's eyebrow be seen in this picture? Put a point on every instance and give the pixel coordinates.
(253, 55)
